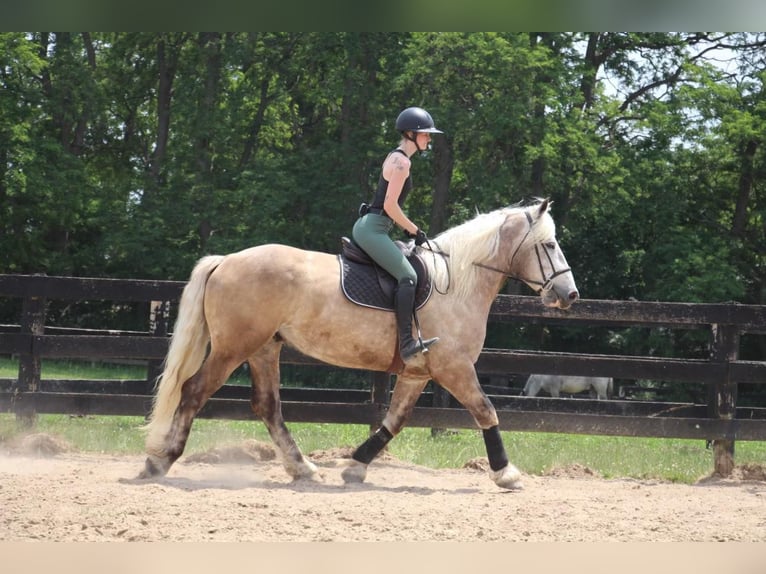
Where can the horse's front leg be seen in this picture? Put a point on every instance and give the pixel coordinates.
(464, 386)
(403, 399)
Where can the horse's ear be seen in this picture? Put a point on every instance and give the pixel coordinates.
(544, 206)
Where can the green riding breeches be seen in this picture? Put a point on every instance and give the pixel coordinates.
(371, 233)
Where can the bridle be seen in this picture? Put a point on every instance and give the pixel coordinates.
(543, 286)
(547, 281)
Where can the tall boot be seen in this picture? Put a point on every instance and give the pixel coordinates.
(404, 306)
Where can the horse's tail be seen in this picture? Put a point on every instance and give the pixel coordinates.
(186, 353)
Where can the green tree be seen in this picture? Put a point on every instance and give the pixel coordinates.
(133, 154)
(20, 97)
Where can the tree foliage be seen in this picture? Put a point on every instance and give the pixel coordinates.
(133, 154)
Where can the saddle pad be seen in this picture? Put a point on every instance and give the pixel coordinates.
(361, 284)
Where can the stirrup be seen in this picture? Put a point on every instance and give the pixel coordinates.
(416, 346)
(425, 343)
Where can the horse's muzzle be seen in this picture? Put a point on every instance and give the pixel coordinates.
(552, 298)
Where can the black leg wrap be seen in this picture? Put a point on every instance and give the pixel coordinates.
(495, 449)
(370, 448)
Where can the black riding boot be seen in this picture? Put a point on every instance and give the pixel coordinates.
(404, 305)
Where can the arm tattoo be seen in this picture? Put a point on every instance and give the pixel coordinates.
(398, 164)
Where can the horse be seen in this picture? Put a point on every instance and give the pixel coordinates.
(243, 307)
(554, 385)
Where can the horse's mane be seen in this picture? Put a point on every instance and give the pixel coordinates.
(477, 241)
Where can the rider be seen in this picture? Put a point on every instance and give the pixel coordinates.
(371, 230)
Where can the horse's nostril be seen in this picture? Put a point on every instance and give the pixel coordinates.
(573, 296)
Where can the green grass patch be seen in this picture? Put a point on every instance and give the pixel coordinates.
(676, 460)
(73, 369)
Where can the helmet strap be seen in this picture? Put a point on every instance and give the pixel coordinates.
(413, 138)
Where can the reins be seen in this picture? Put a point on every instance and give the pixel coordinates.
(444, 255)
(544, 285)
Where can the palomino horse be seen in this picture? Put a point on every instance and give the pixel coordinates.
(244, 306)
(554, 385)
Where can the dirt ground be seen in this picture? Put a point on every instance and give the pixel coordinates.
(241, 493)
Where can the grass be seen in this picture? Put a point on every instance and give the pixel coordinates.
(9, 368)
(675, 460)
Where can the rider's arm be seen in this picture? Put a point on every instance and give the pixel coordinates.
(396, 170)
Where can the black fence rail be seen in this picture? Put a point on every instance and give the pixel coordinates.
(719, 419)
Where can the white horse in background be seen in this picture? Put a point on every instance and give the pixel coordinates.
(554, 385)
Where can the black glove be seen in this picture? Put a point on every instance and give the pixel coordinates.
(420, 237)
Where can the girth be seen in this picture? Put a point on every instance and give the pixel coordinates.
(367, 284)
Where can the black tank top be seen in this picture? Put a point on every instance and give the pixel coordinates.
(380, 193)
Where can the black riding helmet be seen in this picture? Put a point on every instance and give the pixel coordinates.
(416, 120)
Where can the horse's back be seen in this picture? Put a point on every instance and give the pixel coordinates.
(274, 262)
(269, 282)
(277, 254)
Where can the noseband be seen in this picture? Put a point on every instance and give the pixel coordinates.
(547, 282)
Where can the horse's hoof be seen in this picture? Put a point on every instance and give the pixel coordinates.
(307, 476)
(303, 469)
(507, 477)
(354, 472)
(152, 469)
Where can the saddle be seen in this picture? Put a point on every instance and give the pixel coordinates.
(367, 284)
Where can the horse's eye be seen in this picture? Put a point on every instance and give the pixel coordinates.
(550, 245)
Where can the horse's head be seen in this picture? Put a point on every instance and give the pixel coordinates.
(536, 257)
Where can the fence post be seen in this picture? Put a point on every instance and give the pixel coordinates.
(33, 324)
(723, 395)
(159, 312)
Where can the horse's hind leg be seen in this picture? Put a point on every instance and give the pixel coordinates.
(266, 404)
(194, 394)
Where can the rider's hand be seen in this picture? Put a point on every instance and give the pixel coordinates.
(420, 237)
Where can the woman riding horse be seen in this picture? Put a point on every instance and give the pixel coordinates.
(371, 230)
(244, 306)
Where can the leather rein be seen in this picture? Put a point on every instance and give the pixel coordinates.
(545, 285)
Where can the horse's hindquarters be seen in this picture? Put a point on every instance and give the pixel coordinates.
(294, 295)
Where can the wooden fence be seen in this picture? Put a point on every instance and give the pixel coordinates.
(720, 419)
